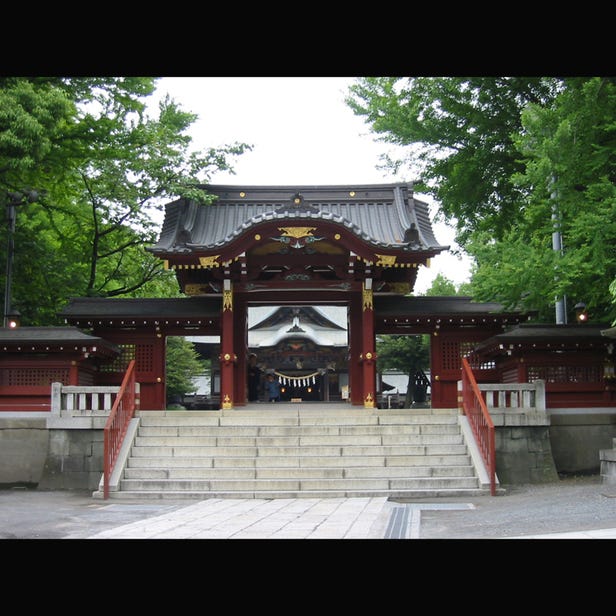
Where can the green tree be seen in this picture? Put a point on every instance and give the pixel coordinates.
(104, 169)
(408, 354)
(183, 364)
(441, 286)
(457, 137)
(503, 156)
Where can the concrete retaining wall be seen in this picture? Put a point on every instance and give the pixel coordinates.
(32, 455)
(74, 460)
(23, 449)
(608, 464)
(577, 437)
(524, 455)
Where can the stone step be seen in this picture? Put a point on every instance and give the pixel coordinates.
(434, 461)
(213, 485)
(324, 450)
(173, 495)
(304, 472)
(282, 451)
(297, 441)
(237, 418)
(313, 430)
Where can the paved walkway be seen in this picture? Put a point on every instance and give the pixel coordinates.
(336, 518)
(304, 518)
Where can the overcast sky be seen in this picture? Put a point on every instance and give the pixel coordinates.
(302, 132)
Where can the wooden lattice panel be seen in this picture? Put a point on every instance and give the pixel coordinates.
(144, 358)
(29, 377)
(120, 363)
(451, 355)
(566, 374)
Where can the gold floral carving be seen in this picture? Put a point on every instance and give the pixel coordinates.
(366, 299)
(369, 401)
(227, 300)
(297, 232)
(195, 289)
(386, 260)
(209, 261)
(226, 403)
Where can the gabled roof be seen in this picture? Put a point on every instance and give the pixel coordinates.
(384, 215)
(299, 322)
(328, 317)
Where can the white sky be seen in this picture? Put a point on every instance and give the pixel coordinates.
(302, 132)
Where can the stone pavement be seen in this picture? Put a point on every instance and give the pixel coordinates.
(336, 518)
(301, 518)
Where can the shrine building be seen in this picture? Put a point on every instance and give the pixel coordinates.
(357, 248)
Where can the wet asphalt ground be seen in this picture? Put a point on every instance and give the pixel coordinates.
(571, 505)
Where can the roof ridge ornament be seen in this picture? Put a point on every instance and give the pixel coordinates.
(298, 204)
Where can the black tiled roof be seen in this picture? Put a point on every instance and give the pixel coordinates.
(385, 216)
(131, 308)
(437, 306)
(208, 307)
(52, 336)
(543, 335)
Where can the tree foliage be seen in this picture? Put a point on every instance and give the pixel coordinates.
(183, 364)
(506, 158)
(408, 354)
(441, 286)
(103, 168)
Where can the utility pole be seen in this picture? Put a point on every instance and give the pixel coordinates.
(557, 245)
(13, 200)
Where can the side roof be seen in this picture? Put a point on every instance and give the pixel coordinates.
(545, 336)
(141, 308)
(38, 339)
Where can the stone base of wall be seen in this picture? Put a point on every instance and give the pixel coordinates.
(608, 465)
(34, 456)
(578, 436)
(74, 460)
(23, 450)
(524, 455)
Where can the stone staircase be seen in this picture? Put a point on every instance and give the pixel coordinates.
(298, 450)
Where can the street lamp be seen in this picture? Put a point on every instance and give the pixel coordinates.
(13, 200)
(580, 312)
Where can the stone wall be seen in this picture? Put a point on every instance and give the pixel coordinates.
(23, 449)
(577, 437)
(608, 465)
(524, 455)
(74, 460)
(32, 455)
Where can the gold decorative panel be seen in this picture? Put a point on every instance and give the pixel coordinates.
(209, 261)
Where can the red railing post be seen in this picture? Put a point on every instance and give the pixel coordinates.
(117, 423)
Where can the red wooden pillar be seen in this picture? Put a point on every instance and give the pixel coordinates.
(369, 352)
(227, 355)
(73, 373)
(155, 396)
(355, 349)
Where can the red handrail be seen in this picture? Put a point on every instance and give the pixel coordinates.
(122, 411)
(475, 409)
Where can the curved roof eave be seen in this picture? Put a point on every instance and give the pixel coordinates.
(384, 219)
